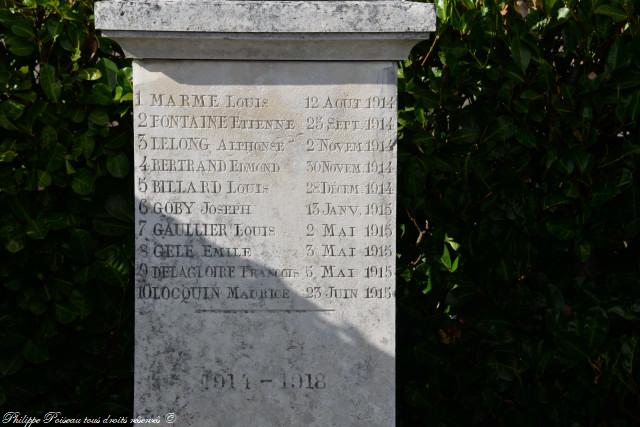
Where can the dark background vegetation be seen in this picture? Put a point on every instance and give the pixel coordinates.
(519, 257)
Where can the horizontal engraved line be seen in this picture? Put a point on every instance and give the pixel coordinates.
(266, 310)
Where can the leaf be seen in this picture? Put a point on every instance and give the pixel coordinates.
(8, 156)
(18, 209)
(626, 177)
(118, 165)
(14, 244)
(7, 17)
(50, 86)
(35, 352)
(59, 221)
(77, 54)
(29, 96)
(89, 74)
(110, 71)
(33, 300)
(603, 193)
(23, 29)
(37, 229)
(556, 298)
(107, 227)
(10, 365)
(554, 200)
(629, 79)
(584, 251)
(48, 328)
(628, 353)
(420, 116)
(525, 58)
(561, 230)
(100, 94)
(465, 135)
(613, 12)
(454, 266)
(118, 93)
(581, 157)
(81, 244)
(99, 117)
(429, 286)
(406, 275)
(54, 27)
(6, 123)
(502, 128)
(117, 207)
(86, 145)
(78, 114)
(442, 11)
(445, 259)
(634, 106)
(563, 13)
(44, 180)
(526, 139)
(49, 136)
(12, 109)
(79, 303)
(449, 240)
(520, 54)
(619, 56)
(55, 158)
(19, 46)
(83, 182)
(531, 95)
(64, 314)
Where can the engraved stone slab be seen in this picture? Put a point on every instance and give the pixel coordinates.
(265, 238)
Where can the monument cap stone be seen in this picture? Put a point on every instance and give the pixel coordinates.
(266, 30)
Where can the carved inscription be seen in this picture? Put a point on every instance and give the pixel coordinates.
(326, 180)
(272, 207)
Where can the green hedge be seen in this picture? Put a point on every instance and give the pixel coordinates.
(66, 223)
(519, 261)
(519, 144)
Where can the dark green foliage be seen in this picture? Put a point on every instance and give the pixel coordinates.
(519, 145)
(66, 231)
(518, 289)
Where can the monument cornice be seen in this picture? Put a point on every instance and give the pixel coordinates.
(266, 30)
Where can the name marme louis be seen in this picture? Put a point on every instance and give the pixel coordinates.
(207, 101)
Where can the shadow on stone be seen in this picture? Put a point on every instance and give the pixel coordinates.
(224, 340)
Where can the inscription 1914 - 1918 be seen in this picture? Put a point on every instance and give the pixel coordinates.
(265, 228)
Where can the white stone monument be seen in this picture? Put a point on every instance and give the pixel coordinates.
(265, 173)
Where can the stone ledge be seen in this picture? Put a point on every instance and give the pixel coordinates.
(266, 30)
(203, 46)
(395, 16)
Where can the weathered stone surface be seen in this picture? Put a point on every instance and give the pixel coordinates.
(266, 16)
(265, 198)
(266, 30)
(265, 207)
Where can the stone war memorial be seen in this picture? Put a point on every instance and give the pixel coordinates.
(265, 175)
